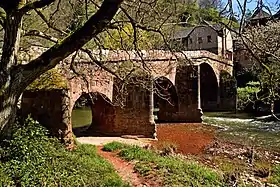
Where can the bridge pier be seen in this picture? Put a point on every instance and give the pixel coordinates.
(136, 117)
(188, 88)
(54, 114)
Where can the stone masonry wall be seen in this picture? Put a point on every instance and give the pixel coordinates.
(103, 116)
(136, 117)
(188, 93)
(51, 109)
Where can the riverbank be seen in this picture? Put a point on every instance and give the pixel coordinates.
(246, 130)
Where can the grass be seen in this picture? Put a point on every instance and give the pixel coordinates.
(113, 146)
(33, 158)
(275, 176)
(172, 171)
(246, 132)
(175, 171)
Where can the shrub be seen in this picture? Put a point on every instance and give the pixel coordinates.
(275, 177)
(247, 95)
(33, 158)
(167, 148)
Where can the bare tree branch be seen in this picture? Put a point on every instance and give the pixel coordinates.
(35, 5)
(75, 41)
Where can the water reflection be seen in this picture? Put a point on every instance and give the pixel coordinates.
(81, 117)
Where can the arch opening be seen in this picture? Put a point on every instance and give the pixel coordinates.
(165, 100)
(208, 88)
(92, 115)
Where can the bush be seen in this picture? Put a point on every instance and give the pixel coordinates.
(275, 177)
(247, 95)
(32, 158)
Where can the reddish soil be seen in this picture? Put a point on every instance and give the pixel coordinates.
(126, 170)
(196, 139)
(190, 138)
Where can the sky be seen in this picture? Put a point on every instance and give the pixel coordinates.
(252, 4)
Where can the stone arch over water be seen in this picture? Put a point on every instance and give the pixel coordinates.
(102, 114)
(165, 99)
(209, 88)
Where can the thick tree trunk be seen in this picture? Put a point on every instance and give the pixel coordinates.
(8, 102)
(8, 110)
(10, 78)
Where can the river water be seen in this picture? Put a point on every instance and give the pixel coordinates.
(81, 117)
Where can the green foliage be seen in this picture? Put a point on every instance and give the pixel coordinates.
(193, 14)
(32, 158)
(137, 153)
(265, 54)
(247, 94)
(113, 146)
(275, 177)
(52, 79)
(173, 171)
(124, 38)
(227, 85)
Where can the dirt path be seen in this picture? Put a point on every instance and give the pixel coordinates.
(126, 171)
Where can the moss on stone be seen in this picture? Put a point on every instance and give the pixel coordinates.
(50, 80)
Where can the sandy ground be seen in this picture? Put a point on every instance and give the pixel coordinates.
(103, 140)
(190, 138)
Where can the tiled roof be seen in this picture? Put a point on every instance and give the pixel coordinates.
(184, 32)
(260, 14)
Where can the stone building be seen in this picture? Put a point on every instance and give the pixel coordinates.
(214, 38)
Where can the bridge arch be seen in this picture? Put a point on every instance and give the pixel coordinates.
(99, 113)
(209, 88)
(166, 100)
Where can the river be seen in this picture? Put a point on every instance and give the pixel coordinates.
(81, 117)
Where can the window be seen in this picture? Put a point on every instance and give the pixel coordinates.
(199, 40)
(209, 39)
(185, 41)
(190, 40)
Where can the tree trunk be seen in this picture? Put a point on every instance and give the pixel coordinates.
(8, 109)
(10, 77)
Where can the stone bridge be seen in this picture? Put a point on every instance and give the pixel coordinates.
(178, 86)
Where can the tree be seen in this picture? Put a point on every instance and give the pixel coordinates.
(87, 27)
(15, 77)
(264, 51)
(260, 44)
